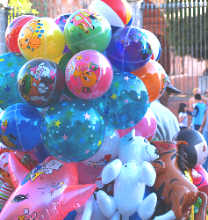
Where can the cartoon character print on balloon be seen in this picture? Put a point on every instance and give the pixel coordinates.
(41, 169)
(87, 30)
(32, 35)
(88, 76)
(83, 20)
(39, 82)
(50, 196)
(35, 85)
(27, 215)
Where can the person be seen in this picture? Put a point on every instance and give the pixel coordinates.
(192, 101)
(167, 123)
(198, 113)
(182, 116)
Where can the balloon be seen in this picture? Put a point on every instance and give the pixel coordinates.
(145, 128)
(40, 82)
(168, 169)
(6, 188)
(20, 127)
(49, 191)
(71, 216)
(117, 12)
(10, 64)
(41, 38)
(200, 178)
(86, 30)
(154, 43)
(40, 153)
(64, 60)
(72, 131)
(61, 22)
(88, 74)
(126, 102)
(108, 150)
(129, 49)
(154, 77)
(12, 32)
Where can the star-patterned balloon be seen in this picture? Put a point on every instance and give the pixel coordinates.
(10, 64)
(73, 131)
(126, 102)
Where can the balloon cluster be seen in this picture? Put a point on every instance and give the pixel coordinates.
(73, 85)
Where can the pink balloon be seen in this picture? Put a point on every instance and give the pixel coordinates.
(200, 178)
(50, 191)
(145, 128)
(88, 74)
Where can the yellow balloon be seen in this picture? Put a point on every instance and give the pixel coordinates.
(57, 59)
(41, 38)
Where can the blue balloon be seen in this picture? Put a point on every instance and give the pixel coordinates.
(129, 49)
(126, 102)
(71, 215)
(10, 64)
(20, 127)
(73, 131)
(41, 153)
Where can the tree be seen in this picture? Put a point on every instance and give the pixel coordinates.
(22, 7)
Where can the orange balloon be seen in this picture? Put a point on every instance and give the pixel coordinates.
(154, 77)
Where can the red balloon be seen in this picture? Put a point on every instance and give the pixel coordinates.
(50, 191)
(13, 30)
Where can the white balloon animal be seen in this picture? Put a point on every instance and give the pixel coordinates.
(131, 172)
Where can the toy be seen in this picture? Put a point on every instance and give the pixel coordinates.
(117, 12)
(20, 127)
(173, 187)
(10, 64)
(193, 152)
(129, 49)
(131, 172)
(87, 30)
(41, 38)
(88, 74)
(145, 128)
(74, 135)
(154, 77)
(125, 103)
(40, 82)
(13, 30)
(49, 191)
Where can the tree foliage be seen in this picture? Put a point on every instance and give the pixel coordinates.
(22, 7)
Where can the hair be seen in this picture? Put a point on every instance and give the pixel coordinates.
(181, 107)
(197, 96)
(196, 90)
(186, 149)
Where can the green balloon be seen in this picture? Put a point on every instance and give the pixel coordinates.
(86, 30)
(64, 60)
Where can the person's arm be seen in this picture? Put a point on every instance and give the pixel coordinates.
(204, 121)
(195, 111)
(180, 118)
(190, 104)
